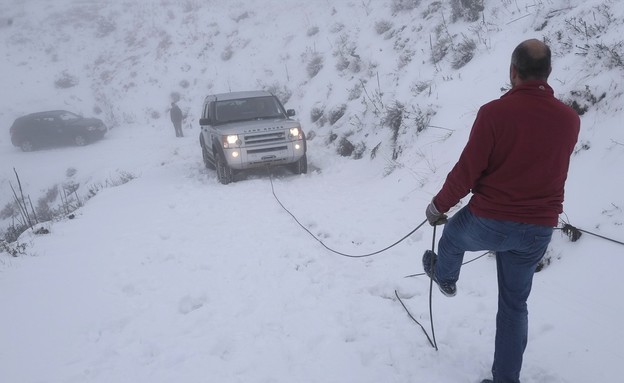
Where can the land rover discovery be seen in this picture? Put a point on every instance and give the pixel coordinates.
(245, 130)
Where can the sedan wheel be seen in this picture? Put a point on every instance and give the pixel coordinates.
(80, 140)
(27, 146)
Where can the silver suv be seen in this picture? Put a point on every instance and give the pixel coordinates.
(245, 130)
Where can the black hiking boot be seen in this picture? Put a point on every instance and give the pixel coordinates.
(429, 260)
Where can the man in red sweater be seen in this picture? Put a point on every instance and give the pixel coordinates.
(515, 163)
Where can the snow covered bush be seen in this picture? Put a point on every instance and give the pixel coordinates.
(312, 31)
(463, 53)
(403, 5)
(345, 147)
(582, 100)
(65, 80)
(469, 10)
(336, 113)
(314, 65)
(316, 113)
(383, 26)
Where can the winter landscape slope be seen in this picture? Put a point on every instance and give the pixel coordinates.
(165, 275)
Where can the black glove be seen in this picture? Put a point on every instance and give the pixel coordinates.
(434, 216)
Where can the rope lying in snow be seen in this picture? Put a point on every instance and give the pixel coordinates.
(432, 340)
(329, 248)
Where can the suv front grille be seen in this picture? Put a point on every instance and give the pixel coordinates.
(264, 138)
(266, 150)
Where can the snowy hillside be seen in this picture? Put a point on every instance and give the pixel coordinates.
(162, 274)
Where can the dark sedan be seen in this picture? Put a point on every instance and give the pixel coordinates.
(53, 128)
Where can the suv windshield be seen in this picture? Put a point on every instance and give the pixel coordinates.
(256, 108)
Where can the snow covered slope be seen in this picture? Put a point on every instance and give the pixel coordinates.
(174, 277)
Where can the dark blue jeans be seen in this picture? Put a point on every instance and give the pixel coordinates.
(519, 247)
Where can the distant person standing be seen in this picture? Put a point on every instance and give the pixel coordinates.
(176, 118)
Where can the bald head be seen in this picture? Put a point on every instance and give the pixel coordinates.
(531, 61)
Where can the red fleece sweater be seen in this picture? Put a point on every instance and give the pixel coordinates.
(516, 159)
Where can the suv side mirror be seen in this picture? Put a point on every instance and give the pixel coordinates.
(290, 112)
(204, 121)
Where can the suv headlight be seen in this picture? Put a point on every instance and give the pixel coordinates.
(231, 141)
(295, 133)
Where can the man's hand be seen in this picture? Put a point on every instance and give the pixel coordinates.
(434, 216)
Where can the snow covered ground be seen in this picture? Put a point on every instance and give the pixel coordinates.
(173, 277)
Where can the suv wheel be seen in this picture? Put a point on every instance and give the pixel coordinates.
(27, 146)
(206, 158)
(80, 140)
(301, 166)
(224, 172)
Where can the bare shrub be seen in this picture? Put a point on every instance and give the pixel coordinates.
(405, 58)
(65, 80)
(420, 86)
(403, 5)
(44, 209)
(440, 49)
(316, 113)
(331, 138)
(164, 44)
(242, 16)
(191, 6)
(359, 151)
(337, 27)
(345, 147)
(227, 53)
(383, 26)
(346, 54)
(469, 10)
(336, 113)
(122, 177)
(104, 27)
(70, 172)
(421, 117)
(394, 118)
(612, 55)
(432, 9)
(342, 63)
(463, 53)
(314, 65)
(12, 248)
(312, 31)
(582, 100)
(10, 210)
(355, 92)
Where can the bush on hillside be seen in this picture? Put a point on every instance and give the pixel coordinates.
(469, 10)
(403, 5)
(65, 80)
(345, 147)
(316, 113)
(104, 27)
(314, 65)
(383, 26)
(582, 100)
(463, 53)
(336, 113)
(312, 31)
